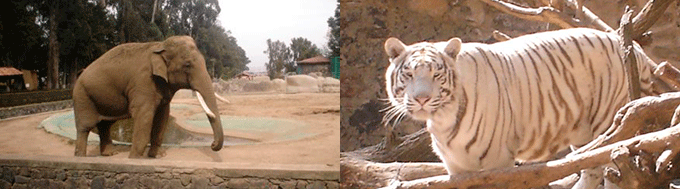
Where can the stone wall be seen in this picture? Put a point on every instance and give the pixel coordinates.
(32, 97)
(366, 24)
(88, 172)
(14, 111)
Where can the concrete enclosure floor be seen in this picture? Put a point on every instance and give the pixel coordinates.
(22, 136)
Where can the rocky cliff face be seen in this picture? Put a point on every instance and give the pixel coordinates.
(366, 24)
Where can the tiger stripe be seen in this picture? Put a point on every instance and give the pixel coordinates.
(524, 99)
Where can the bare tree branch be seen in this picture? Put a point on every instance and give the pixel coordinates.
(649, 14)
(542, 14)
(359, 173)
(629, 56)
(499, 36)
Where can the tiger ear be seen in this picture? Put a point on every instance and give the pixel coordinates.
(453, 47)
(394, 47)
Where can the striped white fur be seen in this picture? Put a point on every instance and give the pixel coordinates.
(487, 106)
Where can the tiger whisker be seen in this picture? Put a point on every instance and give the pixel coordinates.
(393, 114)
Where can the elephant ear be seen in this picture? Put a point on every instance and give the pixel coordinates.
(158, 63)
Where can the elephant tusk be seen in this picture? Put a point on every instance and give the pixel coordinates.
(222, 99)
(204, 106)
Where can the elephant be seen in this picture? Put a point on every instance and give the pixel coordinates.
(138, 80)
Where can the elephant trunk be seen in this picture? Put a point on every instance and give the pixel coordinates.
(208, 101)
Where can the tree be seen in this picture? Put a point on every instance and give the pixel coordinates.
(279, 56)
(333, 44)
(37, 34)
(224, 58)
(22, 43)
(53, 61)
(188, 16)
(302, 49)
(83, 35)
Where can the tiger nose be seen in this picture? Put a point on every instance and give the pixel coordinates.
(422, 99)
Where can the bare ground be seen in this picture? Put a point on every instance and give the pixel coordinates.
(321, 110)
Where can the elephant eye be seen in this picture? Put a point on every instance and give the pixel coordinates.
(187, 65)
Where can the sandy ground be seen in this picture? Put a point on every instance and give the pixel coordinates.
(321, 110)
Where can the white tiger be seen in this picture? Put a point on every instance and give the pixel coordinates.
(487, 106)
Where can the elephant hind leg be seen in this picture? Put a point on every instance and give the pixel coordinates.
(105, 142)
(81, 141)
(86, 119)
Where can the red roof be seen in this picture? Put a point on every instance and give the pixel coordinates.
(8, 71)
(315, 60)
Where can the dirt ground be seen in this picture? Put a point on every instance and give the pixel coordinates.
(321, 110)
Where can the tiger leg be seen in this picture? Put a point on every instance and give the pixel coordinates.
(451, 168)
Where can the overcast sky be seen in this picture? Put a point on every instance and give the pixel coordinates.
(252, 22)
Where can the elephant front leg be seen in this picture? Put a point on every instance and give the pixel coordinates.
(158, 129)
(143, 116)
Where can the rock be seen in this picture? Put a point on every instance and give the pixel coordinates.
(98, 182)
(215, 180)
(39, 183)
(35, 174)
(148, 182)
(199, 182)
(301, 184)
(75, 182)
(20, 186)
(23, 171)
(238, 183)
(5, 184)
(301, 84)
(186, 179)
(60, 184)
(316, 184)
(332, 185)
(120, 178)
(131, 183)
(279, 85)
(258, 86)
(260, 183)
(61, 175)
(173, 184)
(21, 179)
(7, 175)
(288, 184)
(166, 175)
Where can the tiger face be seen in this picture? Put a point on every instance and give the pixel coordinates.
(420, 78)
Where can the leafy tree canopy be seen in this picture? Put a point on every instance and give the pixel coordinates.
(87, 29)
(279, 56)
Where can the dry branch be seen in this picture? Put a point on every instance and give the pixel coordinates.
(413, 147)
(542, 14)
(649, 14)
(500, 36)
(630, 60)
(526, 176)
(637, 112)
(668, 74)
(357, 172)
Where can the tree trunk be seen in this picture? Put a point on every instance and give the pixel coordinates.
(53, 61)
(153, 13)
(73, 75)
(123, 12)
